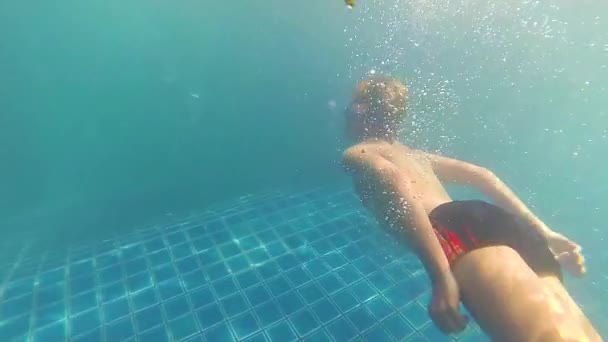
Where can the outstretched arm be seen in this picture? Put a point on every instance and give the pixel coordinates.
(457, 171)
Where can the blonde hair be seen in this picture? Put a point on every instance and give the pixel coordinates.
(389, 95)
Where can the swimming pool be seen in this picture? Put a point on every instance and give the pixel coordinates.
(277, 266)
(274, 267)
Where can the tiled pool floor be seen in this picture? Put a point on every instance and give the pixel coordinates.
(274, 267)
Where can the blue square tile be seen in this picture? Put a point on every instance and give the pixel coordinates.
(269, 270)
(183, 327)
(417, 316)
(311, 293)
(107, 259)
(51, 277)
(170, 289)
(50, 314)
(338, 241)
(320, 335)
(176, 307)
(176, 238)
(144, 298)
(15, 328)
(234, 305)
(112, 291)
(258, 255)
(164, 272)
(94, 335)
(202, 244)
(159, 258)
(247, 279)
(341, 330)
(379, 307)
(317, 268)
(361, 318)
(209, 257)
(139, 282)
(238, 263)
(397, 296)
(330, 283)
(81, 268)
(278, 285)
(290, 303)
(201, 297)
(325, 310)
(115, 309)
(132, 252)
(217, 271)
(396, 271)
(363, 291)
(432, 333)
(249, 243)
(158, 334)
(365, 266)
(267, 236)
(85, 322)
(287, 262)
(110, 274)
(230, 249)
(53, 332)
(380, 281)
(322, 247)
(155, 244)
(83, 302)
(398, 327)
(221, 237)
(298, 276)
(17, 306)
(221, 332)
(194, 280)
(295, 241)
(415, 285)
(82, 284)
(257, 295)
(187, 265)
(377, 333)
(259, 337)
(268, 313)
(281, 332)
(225, 287)
(135, 266)
(334, 260)
(119, 330)
(209, 316)
(304, 322)
(345, 300)
(244, 325)
(305, 254)
(148, 318)
(276, 249)
(311, 235)
(349, 274)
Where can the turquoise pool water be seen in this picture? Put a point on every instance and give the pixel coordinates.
(130, 130)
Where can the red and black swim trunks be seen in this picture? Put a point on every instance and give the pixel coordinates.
(462, 226)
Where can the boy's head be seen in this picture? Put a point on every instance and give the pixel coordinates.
(377, 109)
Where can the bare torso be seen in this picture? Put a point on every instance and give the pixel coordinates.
(424, 183)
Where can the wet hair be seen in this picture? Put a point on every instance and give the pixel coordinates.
(384, 99)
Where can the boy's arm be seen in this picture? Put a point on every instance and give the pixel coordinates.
(457, 171)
